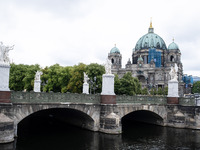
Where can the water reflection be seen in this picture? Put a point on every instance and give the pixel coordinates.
(135, 136)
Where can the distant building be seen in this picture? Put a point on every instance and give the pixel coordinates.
(151, 61)
(195, 79)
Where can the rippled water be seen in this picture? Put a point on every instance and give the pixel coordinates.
(56, 136)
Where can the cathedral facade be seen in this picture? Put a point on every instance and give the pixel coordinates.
(151, 61)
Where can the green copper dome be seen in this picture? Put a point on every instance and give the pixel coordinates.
(150, 40)
(140, 58)
(115, 50)
(173, 46)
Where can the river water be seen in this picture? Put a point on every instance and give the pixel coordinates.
(137, 136)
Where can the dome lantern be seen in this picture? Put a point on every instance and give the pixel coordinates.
(150, 40)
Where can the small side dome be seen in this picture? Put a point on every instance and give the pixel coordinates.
(173, 46)
(115, 50)
(140, 59)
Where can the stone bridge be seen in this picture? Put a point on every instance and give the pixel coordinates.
(87, 111)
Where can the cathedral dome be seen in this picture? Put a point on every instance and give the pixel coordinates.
(115, 50)
(173, 46)
(150, 40)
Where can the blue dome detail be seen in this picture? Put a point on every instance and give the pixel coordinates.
(173, 46)
(115, 50)
(150, 40)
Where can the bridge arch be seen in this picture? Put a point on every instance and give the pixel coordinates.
(153, 114)
(144, 116)
(88, 114)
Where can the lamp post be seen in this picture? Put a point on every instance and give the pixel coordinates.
(43, 85)
(93, 84)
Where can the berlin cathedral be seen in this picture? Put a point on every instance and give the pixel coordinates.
(151, 61)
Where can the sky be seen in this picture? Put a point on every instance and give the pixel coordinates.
(69, 32)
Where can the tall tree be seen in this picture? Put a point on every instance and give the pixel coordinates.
(117, 85)
(17, 74)
(196, 87)
(76, 81)
(95, 70)
(29, 76)
(55, 78)
(127, 85)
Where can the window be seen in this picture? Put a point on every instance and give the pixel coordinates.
(172, 58)
(112, 60)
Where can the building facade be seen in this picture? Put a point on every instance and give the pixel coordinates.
(151, 61)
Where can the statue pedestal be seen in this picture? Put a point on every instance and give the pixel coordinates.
(172, 97)
(4, 76)
(37, 84)
(107, 95)
(85, 88)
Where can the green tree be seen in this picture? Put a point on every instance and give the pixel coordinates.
(117, 85)
(138, 88)
(127, 85)
(17, 74)
(56, 78)
(196, 87)
(144, 91)
(153, 91)
(165, 91)
(95, 70)
(160, 91)
(76, 81)
(30, 76)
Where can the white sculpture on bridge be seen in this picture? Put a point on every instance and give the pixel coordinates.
(38, 75)
(173, 72)
(4, 57)
(85, 84)
(173, 83)
(85, 77)
(37, 81)
(108, 66)
(108, 80)
(4, 67)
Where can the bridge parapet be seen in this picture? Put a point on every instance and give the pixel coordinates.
(34, 97)
(187, 101)
(154, 100)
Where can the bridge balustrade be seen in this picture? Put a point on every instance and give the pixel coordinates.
(34, 97)
(141, 99)
(50, 97)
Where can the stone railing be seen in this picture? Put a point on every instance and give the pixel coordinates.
(140, 99)
(34, 97)
(187, 101)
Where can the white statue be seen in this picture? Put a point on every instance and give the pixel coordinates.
(173, 72)
(85, 78)
(4, 57)
(37, 75)
(108, 66)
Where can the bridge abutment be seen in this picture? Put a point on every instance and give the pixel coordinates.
(110, 122)
(6, 123)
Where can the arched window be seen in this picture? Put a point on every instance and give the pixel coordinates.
(172, 58)
(112, 60)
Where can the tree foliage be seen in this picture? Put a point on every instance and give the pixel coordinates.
(127, 85)
(22, 76)
(29, 77)
(95, 70)
(196, 87)
(160, 91)
(55, 78)
(76, 81)
(144, 91)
